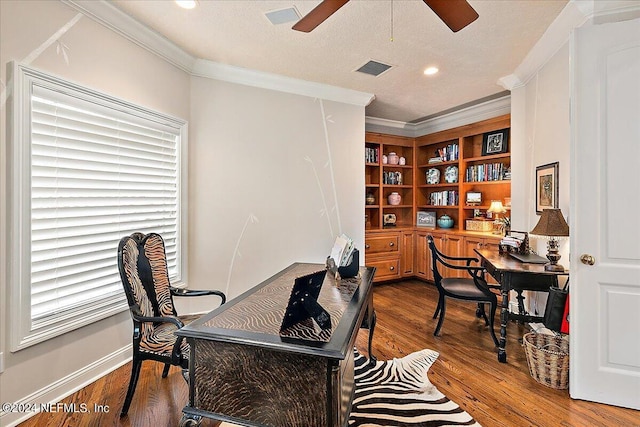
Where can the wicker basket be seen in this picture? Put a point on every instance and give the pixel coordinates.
(548, 359)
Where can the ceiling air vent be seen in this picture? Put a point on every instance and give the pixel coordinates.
(283, 16)
(374, 68)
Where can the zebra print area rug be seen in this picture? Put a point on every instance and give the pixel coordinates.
(398, 393)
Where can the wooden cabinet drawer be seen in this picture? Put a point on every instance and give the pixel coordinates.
(382, 244)
(386, 269)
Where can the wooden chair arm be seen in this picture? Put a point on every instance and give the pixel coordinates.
(454, 258)
(138, 317)
(181, 292)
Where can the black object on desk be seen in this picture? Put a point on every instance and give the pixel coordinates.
(518, 276)
(529, 258)
(303, 303)
(347, 271)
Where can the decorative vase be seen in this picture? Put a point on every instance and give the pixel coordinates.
(402, 161)
(370, 200)
(385, 159)
(394, 199)
(393, 158)
(445, 221)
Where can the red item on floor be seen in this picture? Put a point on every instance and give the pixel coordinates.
(564, 328)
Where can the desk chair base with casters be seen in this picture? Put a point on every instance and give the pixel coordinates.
(473, 288)
(143, 270)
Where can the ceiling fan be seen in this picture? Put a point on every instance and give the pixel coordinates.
(456, 14)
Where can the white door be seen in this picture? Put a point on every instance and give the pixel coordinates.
(605, 214)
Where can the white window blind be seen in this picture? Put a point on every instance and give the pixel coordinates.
(99, 169)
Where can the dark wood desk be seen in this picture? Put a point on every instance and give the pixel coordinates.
(243, 372)
(518, 276)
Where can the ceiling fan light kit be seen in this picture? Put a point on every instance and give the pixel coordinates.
(456, 14)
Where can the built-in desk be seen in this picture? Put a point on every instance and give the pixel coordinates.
(515, 275)
(242, 371)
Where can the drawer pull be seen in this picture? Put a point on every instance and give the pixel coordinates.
(391, 244)
(392, 268)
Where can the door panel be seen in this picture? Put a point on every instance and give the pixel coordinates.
(605, 149)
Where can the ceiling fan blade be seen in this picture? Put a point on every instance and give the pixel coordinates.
(456, 14)
(318, 15)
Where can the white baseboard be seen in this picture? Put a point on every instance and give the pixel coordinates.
(67, 385)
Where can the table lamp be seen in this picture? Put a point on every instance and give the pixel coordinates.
(552, 225)
(496, 208)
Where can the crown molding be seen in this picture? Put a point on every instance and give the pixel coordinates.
(123, 24)
(261, 79)
(464, 116)
(393, 127)
(574, 15)
(475, 113)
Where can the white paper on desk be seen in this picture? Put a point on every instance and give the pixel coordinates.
(342, 250)
(338, 249)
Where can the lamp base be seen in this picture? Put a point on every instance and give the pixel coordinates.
(553, 267)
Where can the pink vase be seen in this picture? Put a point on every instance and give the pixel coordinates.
(393, 158)
(394, 199)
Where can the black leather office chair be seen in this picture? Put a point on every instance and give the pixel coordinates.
(473, 288)
(143, 271)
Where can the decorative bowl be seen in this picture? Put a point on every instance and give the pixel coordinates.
(445, 221)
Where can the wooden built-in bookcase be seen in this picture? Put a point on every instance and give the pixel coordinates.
(469, 140)
(375, 184)
(400, 250)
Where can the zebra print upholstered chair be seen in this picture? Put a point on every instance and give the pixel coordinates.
(143, 271)
(473, 288)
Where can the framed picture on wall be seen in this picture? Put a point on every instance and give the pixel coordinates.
(546, 187)
(495, 142)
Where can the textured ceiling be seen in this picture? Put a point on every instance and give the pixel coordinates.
(470, 61)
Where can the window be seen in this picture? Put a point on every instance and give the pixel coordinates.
(87, 169)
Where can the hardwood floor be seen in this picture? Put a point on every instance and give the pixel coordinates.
(467, 372)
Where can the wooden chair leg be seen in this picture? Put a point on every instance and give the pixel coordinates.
(165, 371)
(372, 327)
(480, 310)
(435, 314)
(483, 314)
(135, 373)
(442, 309)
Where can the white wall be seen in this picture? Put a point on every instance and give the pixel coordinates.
(268, 183)
(540, 134)
(541, 123)
(261, 189)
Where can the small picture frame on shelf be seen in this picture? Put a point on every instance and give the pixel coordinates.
(474, 198)
(546, 187)
(495, 142)
(426, 219)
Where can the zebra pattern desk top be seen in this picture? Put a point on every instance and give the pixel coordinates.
(255, 316)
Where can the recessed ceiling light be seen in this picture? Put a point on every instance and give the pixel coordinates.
(187, 4)
(431, 71)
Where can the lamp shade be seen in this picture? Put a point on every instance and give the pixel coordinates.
(496, 207)
(551, 223)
